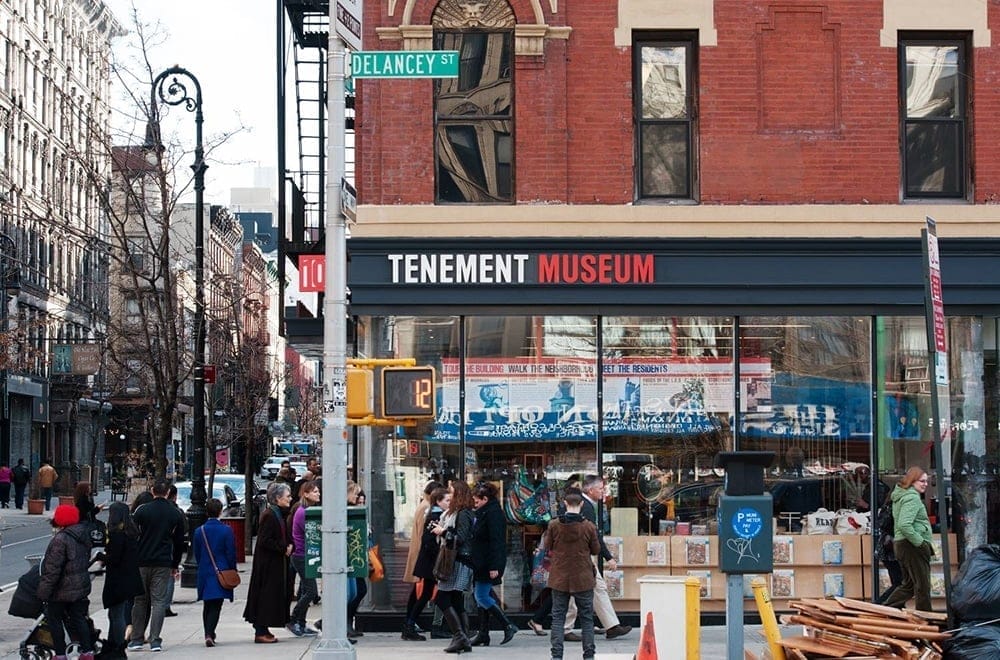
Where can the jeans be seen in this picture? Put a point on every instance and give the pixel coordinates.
(483, 593)
(154, 581)
(19, 495)
(307, 591)
(47, 496)
(74, 617)
(354, 603)
(116, 623)
(603, 607)
(210, 612)
(585, 613)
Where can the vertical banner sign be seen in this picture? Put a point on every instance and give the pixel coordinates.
(312, 272)
(347, 20)
(937, 348)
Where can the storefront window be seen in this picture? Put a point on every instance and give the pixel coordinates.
(668, 405)
(806, 395)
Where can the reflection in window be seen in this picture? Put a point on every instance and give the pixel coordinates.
(474, 117)
(933, 75)
(668, 393)
(665, 95)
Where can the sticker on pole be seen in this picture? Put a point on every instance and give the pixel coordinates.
(747, 523)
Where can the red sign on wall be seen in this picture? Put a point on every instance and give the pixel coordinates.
(312, 272)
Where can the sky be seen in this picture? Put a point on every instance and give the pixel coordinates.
(229, 46)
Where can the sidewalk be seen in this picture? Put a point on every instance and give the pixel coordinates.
(183, 636)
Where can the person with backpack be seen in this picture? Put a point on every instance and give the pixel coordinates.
(65, 582)
(20, 477)
(884, 551)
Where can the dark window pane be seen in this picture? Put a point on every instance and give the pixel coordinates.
(934, 164)
(665, 160)
(475, 161)
(664, 82)
(932, 81)
(483, 86)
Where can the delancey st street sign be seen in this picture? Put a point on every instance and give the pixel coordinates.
(404, 64)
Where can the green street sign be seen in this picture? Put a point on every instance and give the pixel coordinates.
(404, 64)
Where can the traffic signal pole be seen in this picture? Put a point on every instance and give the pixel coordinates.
(334, 570)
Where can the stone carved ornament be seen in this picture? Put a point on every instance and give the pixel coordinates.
(459, 14)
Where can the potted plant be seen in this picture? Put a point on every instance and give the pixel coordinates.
(36, 505)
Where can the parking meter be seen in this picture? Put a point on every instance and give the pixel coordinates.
(746, 540)
(745, 510)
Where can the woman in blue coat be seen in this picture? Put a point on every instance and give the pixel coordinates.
(218, 538)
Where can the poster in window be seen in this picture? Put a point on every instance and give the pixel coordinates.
(705, 578)
(656, 553)
(615, 581)
(833, 584)
(696, 550)
(783, 583)
(783, 550)
(833, 553)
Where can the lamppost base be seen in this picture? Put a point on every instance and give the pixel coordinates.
(341, 649)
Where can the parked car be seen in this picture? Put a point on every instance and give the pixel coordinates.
(238, 483)
(232, 505)
(269, 470)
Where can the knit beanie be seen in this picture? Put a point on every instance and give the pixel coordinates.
(65, 515)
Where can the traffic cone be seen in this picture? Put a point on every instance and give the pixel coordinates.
(647, 643)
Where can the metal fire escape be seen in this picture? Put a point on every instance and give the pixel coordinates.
(302, 68)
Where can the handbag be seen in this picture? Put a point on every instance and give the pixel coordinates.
(228, 578)
(540, 565)
(376, 570)
(25, 603)
(444, 565)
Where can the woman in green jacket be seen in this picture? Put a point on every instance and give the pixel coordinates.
(912, 531)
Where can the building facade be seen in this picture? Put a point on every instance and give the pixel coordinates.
(54, 167)
(631, 235)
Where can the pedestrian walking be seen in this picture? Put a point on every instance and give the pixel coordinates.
(571, 540)
(270, 578)
(454, 530)
(161, 545)
(593, 495)
(21, 477)
(356, 497)
(214, 547)
(172, 584)
(912, 545)
(489, 558)
(47, 477)
(439, 499)
(83, 499)
(65, 583)
(6, 476)
(122, 581)
(309, 496)
(885, 552)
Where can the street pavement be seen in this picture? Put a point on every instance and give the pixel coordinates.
(183, 636)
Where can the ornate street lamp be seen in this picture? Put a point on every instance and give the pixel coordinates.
(171, 88)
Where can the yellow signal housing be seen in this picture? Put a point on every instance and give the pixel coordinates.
(360, 403)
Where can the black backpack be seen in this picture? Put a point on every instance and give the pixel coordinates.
(886, 529)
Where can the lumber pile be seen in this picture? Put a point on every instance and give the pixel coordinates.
(847, 628)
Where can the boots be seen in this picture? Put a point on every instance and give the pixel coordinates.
(410, 633)
(459, 642)
(509, 629)
(463, 617)
(482, 637)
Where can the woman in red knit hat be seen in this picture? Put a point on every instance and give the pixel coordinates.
(65, 582)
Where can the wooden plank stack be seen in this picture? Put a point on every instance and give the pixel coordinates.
(847, 628)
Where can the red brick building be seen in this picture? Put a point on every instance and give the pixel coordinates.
(774, 161)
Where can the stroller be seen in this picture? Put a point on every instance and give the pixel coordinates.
(37, 644)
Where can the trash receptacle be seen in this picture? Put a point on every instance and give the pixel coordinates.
(239, 527)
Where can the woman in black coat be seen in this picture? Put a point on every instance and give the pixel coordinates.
(423, 566)
(489, 557)
(270, 589)
(122, 582)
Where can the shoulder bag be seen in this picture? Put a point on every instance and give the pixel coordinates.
(228, 578)
(444, 565)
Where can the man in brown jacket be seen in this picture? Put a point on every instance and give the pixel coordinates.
(571, 540)
(47, 477)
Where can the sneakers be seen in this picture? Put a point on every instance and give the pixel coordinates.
(134, 646)
(618, 631)
(155, 647)
(295, 628)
